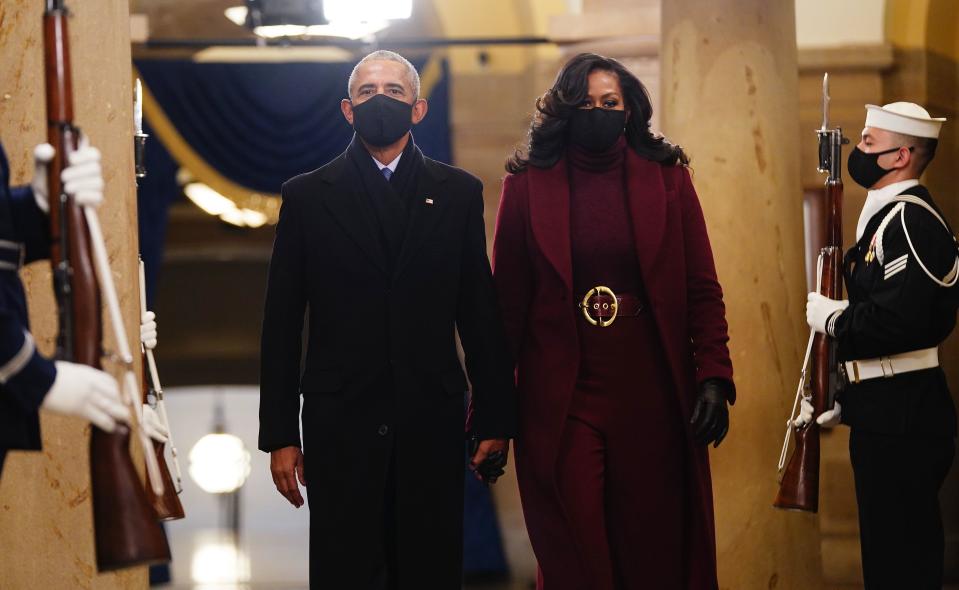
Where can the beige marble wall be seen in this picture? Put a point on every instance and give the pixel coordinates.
(729, 80)
(45, 508)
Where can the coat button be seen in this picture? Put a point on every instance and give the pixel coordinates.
(383, 429)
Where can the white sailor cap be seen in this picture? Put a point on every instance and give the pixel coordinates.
(907, 118)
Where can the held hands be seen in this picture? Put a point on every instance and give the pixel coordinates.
(827, 419)
(488, 458)
(153, 426)
(85, 392)
(710, 414)
(82, 178)
(286, 465)
(820, 309)
(148, 330)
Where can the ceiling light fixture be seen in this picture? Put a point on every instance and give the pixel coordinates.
(212, 202)
(351, 19)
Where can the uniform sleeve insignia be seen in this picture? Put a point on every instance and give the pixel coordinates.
(895, 267)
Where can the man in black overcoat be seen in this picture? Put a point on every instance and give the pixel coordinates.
(384, 250)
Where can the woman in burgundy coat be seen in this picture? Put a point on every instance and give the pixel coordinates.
(616, 318)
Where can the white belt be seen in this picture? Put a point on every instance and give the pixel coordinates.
(890, 366)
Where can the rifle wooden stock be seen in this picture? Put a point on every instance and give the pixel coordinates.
(125, 527)
(166, 505)
(799, 488)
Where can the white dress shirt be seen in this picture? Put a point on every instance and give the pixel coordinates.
(392, 165)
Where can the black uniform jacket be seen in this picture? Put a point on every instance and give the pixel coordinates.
(894, 307)
(25, 375)
(382, 383)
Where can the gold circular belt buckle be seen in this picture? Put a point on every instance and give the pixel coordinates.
(597, 306)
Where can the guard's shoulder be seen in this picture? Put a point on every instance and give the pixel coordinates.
(924, 226)
(910, 230)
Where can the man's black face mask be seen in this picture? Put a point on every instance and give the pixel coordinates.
(381, 120)
(865, 169)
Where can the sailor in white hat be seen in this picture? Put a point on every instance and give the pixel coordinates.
(901, 281)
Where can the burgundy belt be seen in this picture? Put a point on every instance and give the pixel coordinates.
(601, 306)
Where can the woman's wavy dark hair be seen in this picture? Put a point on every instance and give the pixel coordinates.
(548, 131)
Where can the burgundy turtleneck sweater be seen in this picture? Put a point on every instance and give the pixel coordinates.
(603, 248)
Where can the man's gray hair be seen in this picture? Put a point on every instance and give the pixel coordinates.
(384, 55)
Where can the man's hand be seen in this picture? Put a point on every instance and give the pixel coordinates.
(148, 330)
(153, 425)
(827, 419)
(819, 311)
(42, 156)
(82, 178)
(88, 393)
(286, 465)
(494, 453)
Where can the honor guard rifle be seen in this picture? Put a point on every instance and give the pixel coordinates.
(799, 487)
(126, 529)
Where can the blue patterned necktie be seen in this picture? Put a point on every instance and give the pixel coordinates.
(387, 173)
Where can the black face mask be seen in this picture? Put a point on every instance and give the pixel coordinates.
(381, 120)
(596, 130)
(865, 169)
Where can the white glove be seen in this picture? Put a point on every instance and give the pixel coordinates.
(827, 419)
(153, 426)
(82, 178)
(79, 390)
(819, 309)
(148, 330)
(42, 156)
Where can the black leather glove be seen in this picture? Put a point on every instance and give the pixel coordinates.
(493, 467)
(710, 414)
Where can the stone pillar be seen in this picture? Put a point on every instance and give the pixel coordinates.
(46, 526)
(730, 97)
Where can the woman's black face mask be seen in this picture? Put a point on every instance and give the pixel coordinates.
(596, 130)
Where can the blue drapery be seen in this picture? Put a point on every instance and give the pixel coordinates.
(259, 124)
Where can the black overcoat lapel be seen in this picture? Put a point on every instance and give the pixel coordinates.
(351, 208)
(427, 207)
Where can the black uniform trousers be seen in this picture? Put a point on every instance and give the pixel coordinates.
(897, 487)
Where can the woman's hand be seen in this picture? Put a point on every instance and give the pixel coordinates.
(710, 414)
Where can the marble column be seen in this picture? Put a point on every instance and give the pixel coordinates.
(46, 529)
(730, 97)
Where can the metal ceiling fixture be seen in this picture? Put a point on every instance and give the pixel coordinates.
(352, 19)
